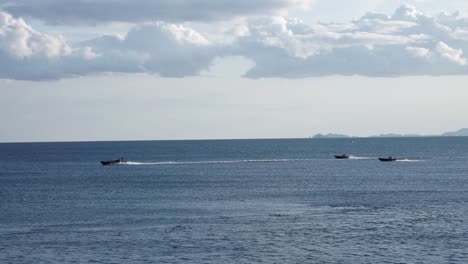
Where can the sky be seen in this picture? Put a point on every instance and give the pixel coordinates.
(204, 69)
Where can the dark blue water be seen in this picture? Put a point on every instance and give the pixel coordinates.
(240, 201)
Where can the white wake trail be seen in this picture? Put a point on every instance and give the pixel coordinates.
(136, 163)
(361, 158)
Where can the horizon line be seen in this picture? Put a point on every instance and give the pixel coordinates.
(223, 139)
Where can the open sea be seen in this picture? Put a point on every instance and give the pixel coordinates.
(235, 201)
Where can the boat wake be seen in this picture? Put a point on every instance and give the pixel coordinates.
(361, 158)
(135, 163)
(409, 160)
(167, 163)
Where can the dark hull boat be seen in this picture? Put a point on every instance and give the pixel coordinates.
(341, 156)
(389, 159)
(112, 162)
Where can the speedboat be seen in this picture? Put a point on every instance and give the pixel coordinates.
(389, 159)
(344, 156)
(113, 162)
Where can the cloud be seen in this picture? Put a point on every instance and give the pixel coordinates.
(165, 49)
(377, 45)
(99, 11)
(26, 53)
(405, 43)
(452, 55)
(20, 40)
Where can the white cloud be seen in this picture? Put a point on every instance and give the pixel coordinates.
(418, 52)
(99, 11)
(160, 48)
(406, 43)
(452, 55)
(29, 54)
(20, 40)
(407, 13)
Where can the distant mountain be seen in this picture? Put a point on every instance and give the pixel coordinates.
(460, 133)
(330, 136)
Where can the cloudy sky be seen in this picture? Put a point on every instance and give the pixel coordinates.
(197, 69)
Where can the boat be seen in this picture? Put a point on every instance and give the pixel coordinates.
(344, 156)
(389, 159)
(113, 162)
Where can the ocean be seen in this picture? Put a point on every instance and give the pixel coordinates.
(235, 201)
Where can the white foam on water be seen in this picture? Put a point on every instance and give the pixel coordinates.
(409, 160)
(361, 158)
(135, 163)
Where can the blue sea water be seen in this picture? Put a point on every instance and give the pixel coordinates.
(235, 201)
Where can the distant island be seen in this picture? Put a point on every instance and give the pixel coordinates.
(460, 133)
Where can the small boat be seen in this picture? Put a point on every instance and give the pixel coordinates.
(344, 156)
(389, 159)
(113, 162)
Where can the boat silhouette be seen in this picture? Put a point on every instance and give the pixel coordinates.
(344, 156)
(113, 162)
(389, 159)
